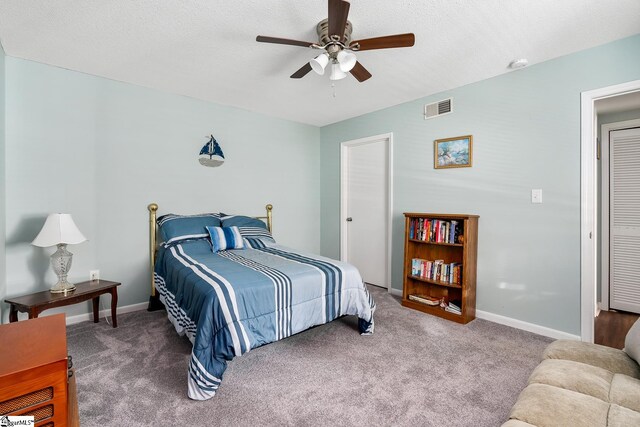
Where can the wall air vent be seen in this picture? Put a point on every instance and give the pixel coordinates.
(438, 109)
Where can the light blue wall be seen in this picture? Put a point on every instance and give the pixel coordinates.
(3, 275)
(526, 132)
(102, 150)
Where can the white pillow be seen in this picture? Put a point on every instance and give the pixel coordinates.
(632, 342)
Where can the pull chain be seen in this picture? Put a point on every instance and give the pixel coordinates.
(333, 87)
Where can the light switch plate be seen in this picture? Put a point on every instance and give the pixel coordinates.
(536, 195)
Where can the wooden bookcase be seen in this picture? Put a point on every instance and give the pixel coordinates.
(463, 251)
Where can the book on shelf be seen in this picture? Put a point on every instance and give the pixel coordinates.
(452, 231)
(454, 273)
(425, 299)
(451, 310)
(437, 270)
(428, 270)
(417, 266)
(453, 307)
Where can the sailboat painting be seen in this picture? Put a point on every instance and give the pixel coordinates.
(211, 154)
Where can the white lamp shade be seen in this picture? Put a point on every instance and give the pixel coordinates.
(58, 228)
(336, 72)
(319, 63)
(347, 60)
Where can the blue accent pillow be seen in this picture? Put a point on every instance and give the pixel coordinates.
(255, 237)
(223, 238)
(178, 228)
(241, 221)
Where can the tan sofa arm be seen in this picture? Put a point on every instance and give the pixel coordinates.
(517, 423)
(611, 359)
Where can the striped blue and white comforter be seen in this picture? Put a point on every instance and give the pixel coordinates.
(230, 302)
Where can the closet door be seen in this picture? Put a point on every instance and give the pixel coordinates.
(624, 222)
(367, 201)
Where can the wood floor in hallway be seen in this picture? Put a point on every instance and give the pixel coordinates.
(611, 327)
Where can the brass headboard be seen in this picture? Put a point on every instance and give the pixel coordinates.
(153, 241)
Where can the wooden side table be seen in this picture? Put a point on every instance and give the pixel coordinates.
(36, 303)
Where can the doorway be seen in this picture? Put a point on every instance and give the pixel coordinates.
(589, 202)
(620, 247)
(365, 208)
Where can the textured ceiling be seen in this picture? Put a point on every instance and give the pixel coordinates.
(207, 49)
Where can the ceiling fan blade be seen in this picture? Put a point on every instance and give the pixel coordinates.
(360, 73)
(277, 40)
(386, 42)
(302, 71)
(338, 13)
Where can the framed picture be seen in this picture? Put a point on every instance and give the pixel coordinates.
(454, 152)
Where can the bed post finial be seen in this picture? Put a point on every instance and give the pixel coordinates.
(269, 224)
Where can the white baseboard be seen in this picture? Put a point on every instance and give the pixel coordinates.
(514, 323)
(525, 326)
(396, 292)
(120, 310)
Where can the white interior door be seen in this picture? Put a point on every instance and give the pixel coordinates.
(366, 213)
(624, 220)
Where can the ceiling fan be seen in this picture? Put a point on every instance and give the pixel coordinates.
(334, 39)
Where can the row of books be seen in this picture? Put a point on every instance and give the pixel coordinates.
(437, 270)
(434, 230)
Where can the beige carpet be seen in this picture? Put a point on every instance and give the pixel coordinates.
(415, 370)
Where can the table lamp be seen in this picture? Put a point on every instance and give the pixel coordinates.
(59, 229)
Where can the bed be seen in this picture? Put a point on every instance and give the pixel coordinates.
(229, 287)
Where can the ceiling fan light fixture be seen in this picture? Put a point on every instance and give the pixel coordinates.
(336, 72)
(319, 63)
(347, 60)
(336, 46)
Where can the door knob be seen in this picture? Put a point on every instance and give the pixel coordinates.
(349, 219)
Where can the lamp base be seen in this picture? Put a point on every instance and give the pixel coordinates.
(61, 264)
(62, 288)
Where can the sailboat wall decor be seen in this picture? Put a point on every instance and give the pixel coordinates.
(211, 154)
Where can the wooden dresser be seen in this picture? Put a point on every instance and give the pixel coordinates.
(34, 371)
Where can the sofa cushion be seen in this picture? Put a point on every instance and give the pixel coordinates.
(517, 423)
(632, 342)
(625, 391)
(622, 417)
(612, 359)
(576, 376)
(544, 405)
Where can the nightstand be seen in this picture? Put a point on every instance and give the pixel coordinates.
(36, 303)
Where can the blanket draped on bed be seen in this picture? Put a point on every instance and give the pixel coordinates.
(232, 301)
